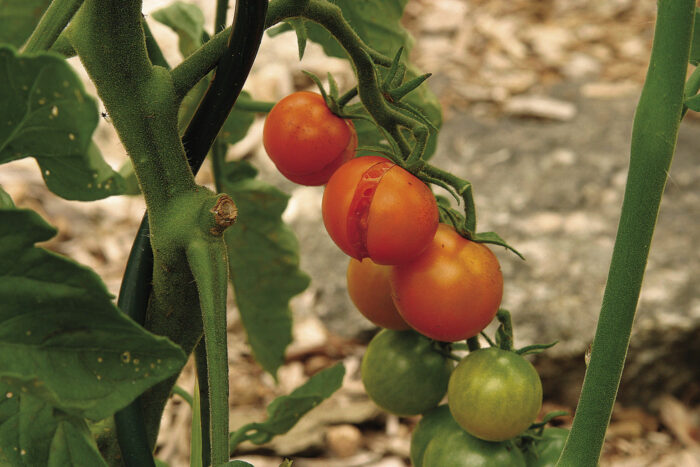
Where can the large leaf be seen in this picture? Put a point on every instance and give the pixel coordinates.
(378, 23)
(237, 124)
(18, 18)
(61, 337)
(46, 114)
(187, 21)
(5, 200)
(263, 262)
(33, 432)
(285, 411)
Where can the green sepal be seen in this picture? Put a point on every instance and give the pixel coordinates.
(493, 238)
(400, 92)
(535, 348)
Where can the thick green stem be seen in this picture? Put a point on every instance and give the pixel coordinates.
(55, 19)
(196, 66)
(200, 360)
(139, 97)
(220, 18)
(210, 270)
(654, 137)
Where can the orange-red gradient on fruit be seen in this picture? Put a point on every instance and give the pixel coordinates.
(369, 290)
(452, 291)
(374, 208)
(305, 140)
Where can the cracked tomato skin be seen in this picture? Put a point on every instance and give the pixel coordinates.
(369, 290)
(373, 208)
(306, 141)
(452, 291)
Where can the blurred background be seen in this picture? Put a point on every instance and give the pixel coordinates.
(538, 99)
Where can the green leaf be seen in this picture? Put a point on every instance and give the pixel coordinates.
(73, 446)
(695, 42)
(285, 411)
(187, 21)
(82, 177)
(131, 183)
(61, 337)
(236, 464)
(46, 114)
(18, 18)
(377, 22)
(237, 124)
(263, 264)
(32, 432)
(5, 200)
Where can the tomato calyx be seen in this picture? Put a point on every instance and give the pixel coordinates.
(358, 214)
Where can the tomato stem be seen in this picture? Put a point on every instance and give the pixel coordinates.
(51, 24)
(654, 136)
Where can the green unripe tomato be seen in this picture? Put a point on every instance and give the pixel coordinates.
(494, 394)
(433, 424)
(454, 447)
(403, 374)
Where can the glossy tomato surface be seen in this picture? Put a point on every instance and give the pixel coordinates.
(451, 446)
(403, 373)
(494, 394)
(451, 291)
(306, 141)
(374, 208)
(369, 290)
(435, 423)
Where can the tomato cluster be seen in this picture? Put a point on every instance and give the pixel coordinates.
(421, 281)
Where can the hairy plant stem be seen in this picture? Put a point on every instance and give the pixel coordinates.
(654, 136)
(220, 18)
(210, 269)
(200, 360)
(462, 188)
(109, 38)
(55, 19)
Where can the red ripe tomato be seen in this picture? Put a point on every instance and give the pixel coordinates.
(374, 208)
(451, 291)
(369, 290)
(305, 140)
